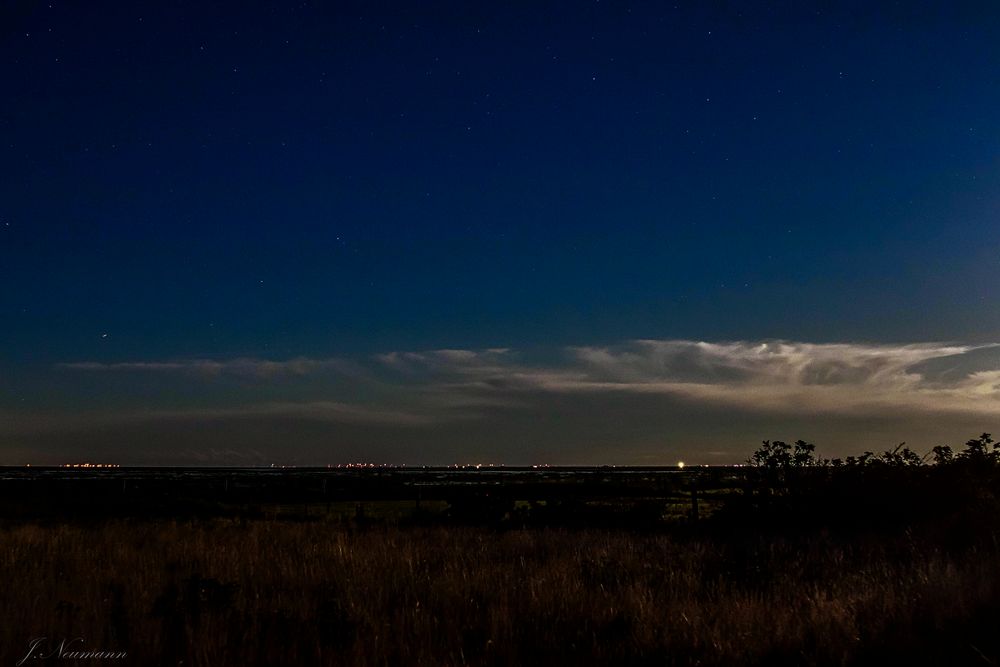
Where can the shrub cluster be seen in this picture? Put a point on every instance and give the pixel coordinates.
(777, 454)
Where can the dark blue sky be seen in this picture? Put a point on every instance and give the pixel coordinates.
(269, 180)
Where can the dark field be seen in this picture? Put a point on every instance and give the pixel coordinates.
(431, 567)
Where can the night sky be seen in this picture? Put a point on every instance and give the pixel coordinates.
(594, 232)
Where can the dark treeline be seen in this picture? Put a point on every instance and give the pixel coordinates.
(778, 454)
(954, 494)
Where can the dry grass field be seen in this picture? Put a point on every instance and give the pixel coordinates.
(270, 592)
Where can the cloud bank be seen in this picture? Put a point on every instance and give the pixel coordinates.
(765, 376)
(627, 397)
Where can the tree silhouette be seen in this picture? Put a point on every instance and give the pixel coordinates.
(900, 456)
(981, 450)
(943, 455)
(770, 454)
(779, 454)
(804, 454)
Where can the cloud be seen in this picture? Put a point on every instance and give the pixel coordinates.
(322, 411)
(453, 362)
(416, 388)
(241, 367)
(767, 376)
(639, 401)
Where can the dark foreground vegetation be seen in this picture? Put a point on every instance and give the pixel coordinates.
(795, 561)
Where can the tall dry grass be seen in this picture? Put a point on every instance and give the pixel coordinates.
(279, 593)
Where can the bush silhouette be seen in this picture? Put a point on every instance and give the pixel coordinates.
(778, 454)
(981, 450)
(943, 455)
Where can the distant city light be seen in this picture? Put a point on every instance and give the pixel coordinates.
(90, 465)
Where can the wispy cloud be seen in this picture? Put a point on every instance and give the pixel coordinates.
(849, 378)
(450, 362)
(767, 376)
(787, 376)
(322, 411)
(648, 401)
(242, 367)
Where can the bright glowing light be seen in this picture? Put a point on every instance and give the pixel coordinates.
(680, 464)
